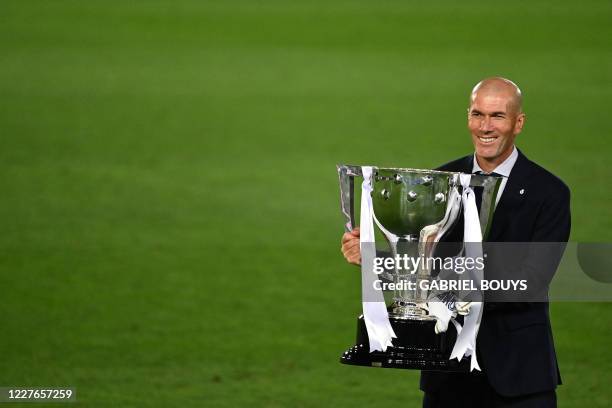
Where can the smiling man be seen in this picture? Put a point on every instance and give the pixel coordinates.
(495, 118)
(515, 344)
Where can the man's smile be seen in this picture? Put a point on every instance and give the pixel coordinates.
(487, 139)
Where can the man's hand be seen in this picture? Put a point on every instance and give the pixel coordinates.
(463, 308)
(350, 246)
(443, 314)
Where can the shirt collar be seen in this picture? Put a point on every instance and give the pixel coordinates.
(503, 169)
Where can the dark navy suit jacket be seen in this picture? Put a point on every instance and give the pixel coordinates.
(515, 343)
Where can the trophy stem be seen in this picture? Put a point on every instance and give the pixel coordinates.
(407, 303)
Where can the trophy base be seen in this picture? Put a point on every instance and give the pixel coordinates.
(416, 347)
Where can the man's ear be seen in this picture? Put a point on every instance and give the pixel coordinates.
(520, 122)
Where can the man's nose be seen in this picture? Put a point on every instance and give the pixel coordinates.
(486, 124)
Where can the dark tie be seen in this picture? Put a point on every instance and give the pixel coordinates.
(478, 190)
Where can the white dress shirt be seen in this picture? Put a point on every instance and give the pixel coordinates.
(503, 169)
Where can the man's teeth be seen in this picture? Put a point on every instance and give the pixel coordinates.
(486, 139)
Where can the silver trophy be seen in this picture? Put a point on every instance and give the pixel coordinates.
(415, 211)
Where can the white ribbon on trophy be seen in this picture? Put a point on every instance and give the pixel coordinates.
(465, 345)
(375, 313)
(437, 308)
(472, 235)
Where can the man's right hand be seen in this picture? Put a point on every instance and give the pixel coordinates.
(350, 247)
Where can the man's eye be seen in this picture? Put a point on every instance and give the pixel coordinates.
(475, 114)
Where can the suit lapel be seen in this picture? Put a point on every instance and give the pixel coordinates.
(467, 165)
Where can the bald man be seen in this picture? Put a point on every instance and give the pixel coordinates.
(515, 344)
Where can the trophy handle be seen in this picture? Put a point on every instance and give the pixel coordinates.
(346, 175)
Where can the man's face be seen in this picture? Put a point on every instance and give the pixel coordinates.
(494, 123)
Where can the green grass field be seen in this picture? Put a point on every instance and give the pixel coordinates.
(169, 209)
